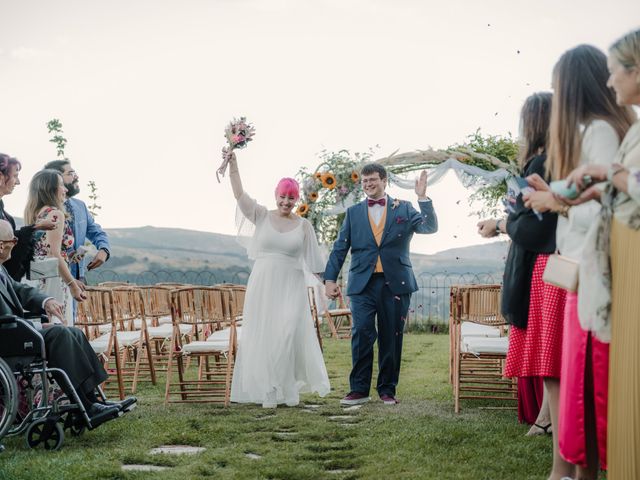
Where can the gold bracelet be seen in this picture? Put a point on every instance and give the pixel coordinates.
(69, 283)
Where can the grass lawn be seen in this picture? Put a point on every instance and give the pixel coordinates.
(419, 439)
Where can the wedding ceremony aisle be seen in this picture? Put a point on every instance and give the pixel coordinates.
(421, 438)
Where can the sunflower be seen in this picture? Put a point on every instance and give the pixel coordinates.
(317, 176)
(355, 177)
(303, 209)
(313, 196)
(329, 181)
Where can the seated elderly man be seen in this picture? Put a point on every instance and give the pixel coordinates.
(67, 347)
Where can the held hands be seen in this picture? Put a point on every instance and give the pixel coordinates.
(331, 290)
(487, 228)
(54, 309)
(421, 185)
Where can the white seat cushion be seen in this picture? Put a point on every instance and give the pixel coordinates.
(223, 335)
(164, 331)
(470, 329)
(480, 345)
(205, 346)
(164, 319)
(125, 339)
(339, 311)
(105, 328)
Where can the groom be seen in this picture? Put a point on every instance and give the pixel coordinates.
(378, 231)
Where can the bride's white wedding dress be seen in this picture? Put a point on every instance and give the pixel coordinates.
(278, 353)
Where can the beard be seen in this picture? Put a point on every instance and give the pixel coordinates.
(72, 189)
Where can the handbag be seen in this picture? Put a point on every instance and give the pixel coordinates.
(45, 268)
(561, 272)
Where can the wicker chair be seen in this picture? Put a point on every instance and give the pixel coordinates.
(478, 345)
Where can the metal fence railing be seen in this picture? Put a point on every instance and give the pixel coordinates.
(192, 277)
(430, 304)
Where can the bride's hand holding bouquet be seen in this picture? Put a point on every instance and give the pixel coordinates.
(238, 134)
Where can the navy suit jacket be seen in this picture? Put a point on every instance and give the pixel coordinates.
(356, 234)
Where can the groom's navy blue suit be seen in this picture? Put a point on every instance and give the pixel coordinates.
(383, 295)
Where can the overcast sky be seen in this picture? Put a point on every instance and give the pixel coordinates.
(145, 88)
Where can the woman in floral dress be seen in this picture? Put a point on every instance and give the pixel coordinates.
(45, 202)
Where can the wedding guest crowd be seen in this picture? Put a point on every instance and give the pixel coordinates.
(593, 146)
(56, 226)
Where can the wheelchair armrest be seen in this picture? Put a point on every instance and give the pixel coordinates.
(8, 320)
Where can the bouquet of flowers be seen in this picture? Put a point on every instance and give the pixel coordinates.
(238, 133)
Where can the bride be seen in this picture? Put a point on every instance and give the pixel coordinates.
(278, 356)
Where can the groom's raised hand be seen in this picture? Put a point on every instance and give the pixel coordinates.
(421, 186)
(331, 290)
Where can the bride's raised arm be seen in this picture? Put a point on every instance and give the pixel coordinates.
(234, 176)
(250, 209)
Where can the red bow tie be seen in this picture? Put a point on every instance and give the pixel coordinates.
(382, 202)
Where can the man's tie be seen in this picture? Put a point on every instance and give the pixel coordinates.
(382, 202)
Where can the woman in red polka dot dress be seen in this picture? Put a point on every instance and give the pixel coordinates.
(534, 309)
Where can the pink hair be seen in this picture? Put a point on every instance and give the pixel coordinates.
(289, 187)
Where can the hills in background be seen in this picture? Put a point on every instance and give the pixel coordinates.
(135, 250)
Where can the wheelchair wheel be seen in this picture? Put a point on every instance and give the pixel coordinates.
(45, 431)
(8, 398)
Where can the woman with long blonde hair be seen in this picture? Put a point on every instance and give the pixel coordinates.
(46, 203)
(587, 127)
(612, 282)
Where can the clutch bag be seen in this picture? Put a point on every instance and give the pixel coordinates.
(562, 272)
(45, 268)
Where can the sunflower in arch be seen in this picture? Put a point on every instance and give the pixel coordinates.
(303, 209)
(317, 176)
(329, 181)
(313, 196)
(355, 177)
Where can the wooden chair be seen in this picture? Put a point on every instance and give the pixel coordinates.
(157, 305)
(211, 311)
(311, 295)
(339, 319)
(95, 319)
(239, 292)
(479, 345)
(127, 309)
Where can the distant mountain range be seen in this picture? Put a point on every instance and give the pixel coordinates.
(135, 250)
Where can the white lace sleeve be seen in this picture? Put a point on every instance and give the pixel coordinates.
(313, 257)
(249, 214)
(250, 209)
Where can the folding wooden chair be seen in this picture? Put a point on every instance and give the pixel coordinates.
(95, 319)
(311, 295)
(212, 313)
(479, 345)
(127, 308)
(157, 305)
(339, 319)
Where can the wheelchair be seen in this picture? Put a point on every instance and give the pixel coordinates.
(31, 398)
